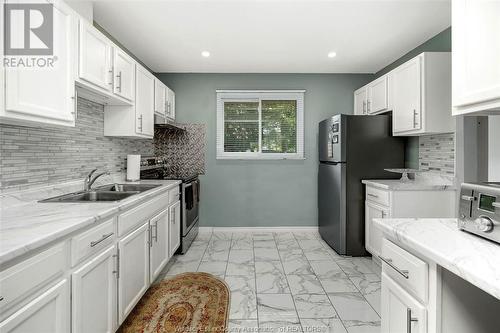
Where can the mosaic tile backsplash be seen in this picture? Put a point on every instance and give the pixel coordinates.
(183, 151)
(40, 156)
(437, 153)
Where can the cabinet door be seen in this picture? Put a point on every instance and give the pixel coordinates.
(50, 312)
(377, 96)
(476, 52)
(47, 95)
(95, 57)
(94, 300)
(175, 227)
(407, 96)
(360, 97)
(373, 235)
(133, 270)
(144, 101)
(160, 97)
(159, 252)
(124, 75)
(401, 313)
(170, 111)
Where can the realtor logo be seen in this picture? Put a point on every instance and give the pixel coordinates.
(29, 29)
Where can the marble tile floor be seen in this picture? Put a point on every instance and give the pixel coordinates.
(287, 282)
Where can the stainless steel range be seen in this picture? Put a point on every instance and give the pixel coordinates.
(479, 210)
(157, 168)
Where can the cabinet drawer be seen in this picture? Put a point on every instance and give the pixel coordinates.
(30, 276)
(173, 195)
(92, 241)
(134, 217)
(377, 195)
(406, 269)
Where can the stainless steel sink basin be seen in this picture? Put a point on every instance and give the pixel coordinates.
(127, 187)
(92, 196)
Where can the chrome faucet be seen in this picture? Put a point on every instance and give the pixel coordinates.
(89, 180)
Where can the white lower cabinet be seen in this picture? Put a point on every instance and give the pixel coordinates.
(175, 227)
(399, 203)
(133, 270)
(108, 275)
(159, 244)
(401, 313)
(374, 235)
(48, 313)
(94, 291)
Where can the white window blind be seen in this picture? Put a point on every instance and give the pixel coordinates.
(260, 124)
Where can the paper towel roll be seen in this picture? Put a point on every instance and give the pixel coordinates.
(133, 167)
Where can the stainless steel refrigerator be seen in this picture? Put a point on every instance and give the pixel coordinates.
(352, 148)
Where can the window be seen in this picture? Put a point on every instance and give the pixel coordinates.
(260, 124)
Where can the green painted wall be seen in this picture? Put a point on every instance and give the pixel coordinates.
(261, 193)
(439, 43)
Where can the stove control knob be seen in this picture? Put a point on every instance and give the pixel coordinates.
(484, 224)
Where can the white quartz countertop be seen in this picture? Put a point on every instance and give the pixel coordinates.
(26, 227)
(398, 185)
(474, 259)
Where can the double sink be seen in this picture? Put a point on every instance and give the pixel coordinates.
(105, 193)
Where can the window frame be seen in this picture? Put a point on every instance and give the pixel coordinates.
(259, 95)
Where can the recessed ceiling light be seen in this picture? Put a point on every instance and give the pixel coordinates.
(205, 54)
(332, 54)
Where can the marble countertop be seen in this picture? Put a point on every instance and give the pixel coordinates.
(412, 185)
(474, 259)
(24, 227)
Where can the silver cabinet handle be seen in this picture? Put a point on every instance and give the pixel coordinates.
(140, 122)
(364, 107)
(384, 214)
(117, 270)
(409, 320)
(103, 238)
(467, 198)
(111, 71)
(372, 195)
(155, 236)
(402, 272)
(368, 106)
(415, 114)
(119, 77)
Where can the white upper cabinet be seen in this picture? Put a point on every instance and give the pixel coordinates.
(160, 97)
(407, 93)
(106, 72)
(124, 75)
(421, 92)
(378, 100)
(45, 96)
(170, 108)
(144, 101)
(136, 120)
(360, 99)
(95, 65)
(476, 56)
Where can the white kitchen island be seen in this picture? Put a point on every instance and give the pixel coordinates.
(459, 288)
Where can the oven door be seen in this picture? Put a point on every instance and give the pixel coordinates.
(190, 205)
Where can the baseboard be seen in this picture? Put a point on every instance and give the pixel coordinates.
(259, 229)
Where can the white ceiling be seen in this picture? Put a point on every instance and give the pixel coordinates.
(274, 36)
